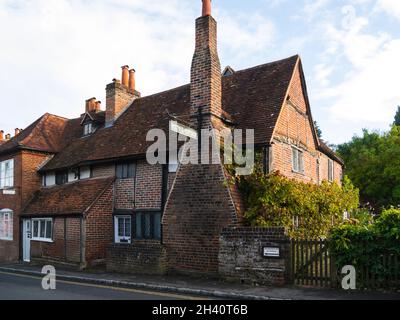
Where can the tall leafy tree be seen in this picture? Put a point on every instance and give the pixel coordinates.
(397, 117)
(318, 129)
(373, 164)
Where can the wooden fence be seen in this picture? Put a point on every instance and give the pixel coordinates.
(313, 265)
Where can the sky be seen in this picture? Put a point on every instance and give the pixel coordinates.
(56, 54)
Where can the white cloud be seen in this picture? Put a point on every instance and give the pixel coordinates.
(369, 93)
(56, 54)
(392, 7)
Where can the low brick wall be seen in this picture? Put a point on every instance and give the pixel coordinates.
(141, 257)
(241, 256)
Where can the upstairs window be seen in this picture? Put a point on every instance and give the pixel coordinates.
(61, 177)
(88, 128)
(7, 174)
(125, 170)
(6, 225)
(297, 160)
(330, 170)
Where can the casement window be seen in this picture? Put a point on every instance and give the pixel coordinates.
(61, 177)
(140, 226)
(88, 128)
(123, 229)
(125, 170)
(330, 170)
(148, 225)
(297, 160)
(6, 225)
(42, 229)
(7, 174)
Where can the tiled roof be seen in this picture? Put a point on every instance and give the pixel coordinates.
(252, 98)
(49, 133)
(323, 147)
(68, 199)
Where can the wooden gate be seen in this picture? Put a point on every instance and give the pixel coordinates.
(312, 265)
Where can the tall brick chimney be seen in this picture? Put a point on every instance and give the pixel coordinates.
(200, 204)
(119, 97)
(205, 84)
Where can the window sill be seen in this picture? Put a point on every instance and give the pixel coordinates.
(42, 240)
(6, 239)
(298, 172)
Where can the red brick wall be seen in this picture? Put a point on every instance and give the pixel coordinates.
(99, 227)
(148, 186)
(26, 182)
(125, 194)
(294, 129)
(66, 245)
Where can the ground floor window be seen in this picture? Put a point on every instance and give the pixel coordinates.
(42, 229)
(139, 225)
(6, 225)
(123, 229)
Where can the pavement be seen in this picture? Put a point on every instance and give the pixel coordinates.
(178, 287)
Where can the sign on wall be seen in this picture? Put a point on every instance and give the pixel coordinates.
(271, 252)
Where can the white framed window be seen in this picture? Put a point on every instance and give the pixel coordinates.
(88, 128)
(7, 174)
(42, 229)
(123, 229)
(331, 170)
(297, 160)
(6, 225)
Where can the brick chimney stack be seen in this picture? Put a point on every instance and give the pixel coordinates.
(90, 105)
(206, 80)
(17, 131)
(132, 81)
(119, 96)
(1, 135)
(8, 136)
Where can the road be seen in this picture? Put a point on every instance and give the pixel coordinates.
(24, 287)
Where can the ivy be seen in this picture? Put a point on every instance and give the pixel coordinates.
(306, 210)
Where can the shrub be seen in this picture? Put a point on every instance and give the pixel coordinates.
(306, 210)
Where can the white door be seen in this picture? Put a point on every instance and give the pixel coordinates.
(27, 236)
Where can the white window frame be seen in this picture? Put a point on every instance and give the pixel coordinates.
(331, 170)
(38, 237)
(8, 235)
(297, 160)
(122, 239)
(7, 174)
(88, 128)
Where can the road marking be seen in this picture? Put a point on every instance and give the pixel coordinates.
(168, 295)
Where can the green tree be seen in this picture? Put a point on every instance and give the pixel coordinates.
(318, 129)
(373, 164)
(397, 117)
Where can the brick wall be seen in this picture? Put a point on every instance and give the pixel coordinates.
(26, 182)
(198, 208)
(148, 186)
(66, 245)
(294, 129)
(99, 228)
(241, 256)
(142, 257)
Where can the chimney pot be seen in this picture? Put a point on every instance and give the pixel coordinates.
(90, 105)
(8, 136)
(1, 135)
(206, 8)
(125, 76)
(17, 131)
(132, 81)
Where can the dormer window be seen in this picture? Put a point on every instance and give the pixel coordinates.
(88, 128)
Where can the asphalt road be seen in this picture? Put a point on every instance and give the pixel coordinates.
(23, 287)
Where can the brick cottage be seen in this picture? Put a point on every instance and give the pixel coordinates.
(80, 191)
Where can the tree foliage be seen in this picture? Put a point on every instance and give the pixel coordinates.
(397, 117)
(373, 164)
(364, 244)
(306, 210)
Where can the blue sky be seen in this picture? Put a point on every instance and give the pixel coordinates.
(56, 54)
